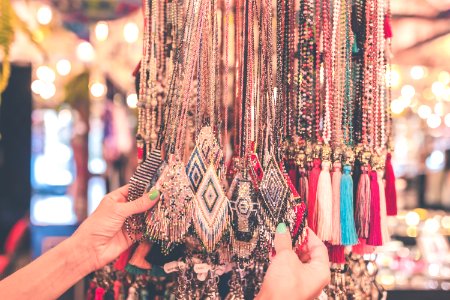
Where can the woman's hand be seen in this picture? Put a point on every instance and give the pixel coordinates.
(288, 277)
(103, 234)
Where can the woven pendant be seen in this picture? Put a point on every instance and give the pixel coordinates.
(210, 211)
(139, 183)
(244, 208)
(195, 169)
(275, 195)
(170, 220)
(209, 148)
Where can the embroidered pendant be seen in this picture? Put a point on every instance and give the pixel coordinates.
(209, 148)
(195, 169)
(210, 211)
(275, 195)
(244, 223)
(169, 222)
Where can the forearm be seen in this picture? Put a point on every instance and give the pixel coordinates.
(50, 275)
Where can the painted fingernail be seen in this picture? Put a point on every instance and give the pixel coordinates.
(281, 228)
(154, 193)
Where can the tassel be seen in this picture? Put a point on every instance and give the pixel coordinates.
(303, 184)
(99, 293)
(336, 215)
(355, 48)
(387, 27)
(91, 291)
(383, 216)
(291, 169)
(348, 231)
(375, 238)
(390, 190)
(117, 290)
(312, 191)
(362, 248)
(123, 259)
(362, 212)
(324, 203)
(336, 254)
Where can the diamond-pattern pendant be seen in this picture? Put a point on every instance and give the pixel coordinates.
(244, 223)
(275, 194)
(169, 222)
(210, 210)
(195, 169)
(209, 148)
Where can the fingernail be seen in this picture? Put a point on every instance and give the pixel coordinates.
(281, 228)
(154, 193)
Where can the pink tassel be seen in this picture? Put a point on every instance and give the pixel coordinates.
(336, 254)
(324, 204)
(336, 191)
(383, 216)
(91, 291)
(390, 190)
(362, 212)
(312, 192)
(99, 293)
(362, 248)
(117, 289)
(387, 27)
(375, 238)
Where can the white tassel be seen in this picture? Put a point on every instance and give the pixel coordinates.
(324, 203)
(383, 214)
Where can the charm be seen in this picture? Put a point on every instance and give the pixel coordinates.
(244, 219)
(210, 211)
(195, 169)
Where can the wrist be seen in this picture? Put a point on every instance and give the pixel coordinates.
(81, 256)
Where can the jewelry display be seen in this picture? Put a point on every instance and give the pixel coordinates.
(241, 129)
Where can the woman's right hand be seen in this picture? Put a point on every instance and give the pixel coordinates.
(288, 277)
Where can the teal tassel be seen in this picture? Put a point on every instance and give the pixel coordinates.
(348, 231)
(135, 270)
(355, 48)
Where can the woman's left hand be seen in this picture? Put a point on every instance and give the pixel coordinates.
(103, 233)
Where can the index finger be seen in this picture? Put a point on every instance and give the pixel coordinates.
(317, 249)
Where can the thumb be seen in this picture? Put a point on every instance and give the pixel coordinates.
(145, 202)
(283, 240)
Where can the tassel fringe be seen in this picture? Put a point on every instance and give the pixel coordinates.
(324, 203)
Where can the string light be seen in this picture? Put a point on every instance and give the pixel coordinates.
(438, 88)
(63, 67)
(131, 32)
(97, 89)
(48, 90)
(397, 106)
(45, 74)
(444, 77)
(392, 78)
(85, 52)
(36, 86)
(424, 111)
(101, 31)
(132, 100)
(447, 120)
(439, 109)
(408, 91)
(434, 121)
(44, 15)
(417, 72)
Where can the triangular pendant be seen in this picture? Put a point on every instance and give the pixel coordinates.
(209, 148)
(210, 211)
(275, 195)
(195, 169)
(169, 222)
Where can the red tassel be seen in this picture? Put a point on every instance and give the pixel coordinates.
(117, 289)
(387, 27)
(336, 254)
(99, 293)
(375, 238)
(291, 169)
(336, 192)
(362, 211)
(362, 248)
(390, 190)
(91, 291)
(312, 191)
(123, 259)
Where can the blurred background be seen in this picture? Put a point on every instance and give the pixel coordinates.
(68, 116)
